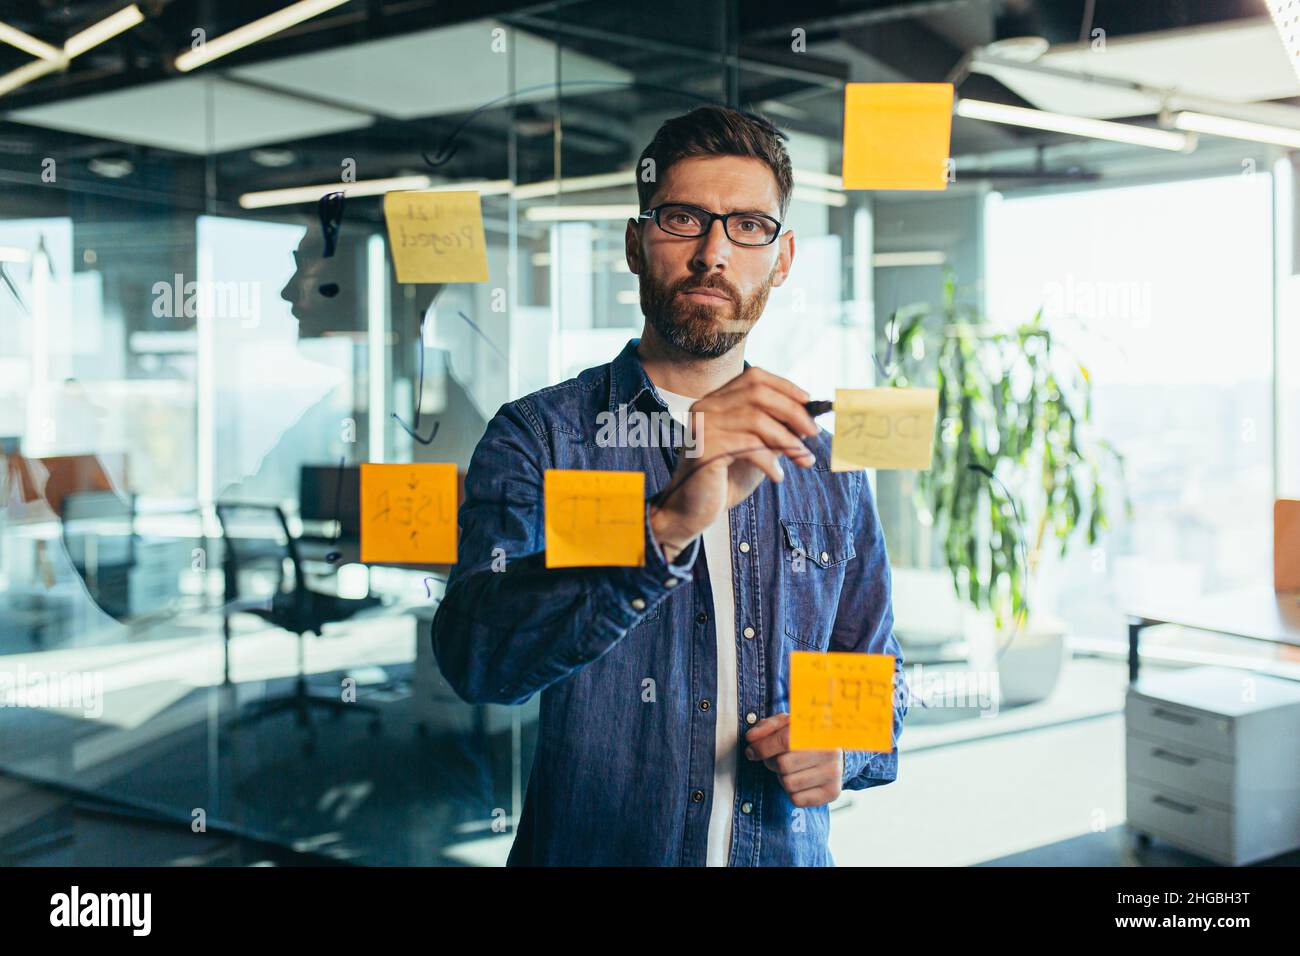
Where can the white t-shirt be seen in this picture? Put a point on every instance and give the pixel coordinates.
(717, 552)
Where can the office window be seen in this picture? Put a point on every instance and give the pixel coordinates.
(1165, 294)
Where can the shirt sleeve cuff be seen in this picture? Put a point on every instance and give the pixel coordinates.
(633, 592)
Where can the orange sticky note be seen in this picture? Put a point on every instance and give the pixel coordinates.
(841, 700)
(594, 518)
(436, 236)
(896, 135)
(408, 513)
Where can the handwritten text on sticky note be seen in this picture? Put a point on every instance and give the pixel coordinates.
(841, 700)
(436, 236)
(408, 513)
(883, 428)
(595, 518)
(896, 135)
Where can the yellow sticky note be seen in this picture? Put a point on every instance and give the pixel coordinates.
(594, 518)
(436, 236)
(841, 700)
(883, 428)
(896, 135)
(408, 513)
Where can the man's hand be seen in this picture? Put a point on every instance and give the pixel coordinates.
(741, 431)
(811, 777)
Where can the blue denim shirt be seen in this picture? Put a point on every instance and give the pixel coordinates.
(622, 776)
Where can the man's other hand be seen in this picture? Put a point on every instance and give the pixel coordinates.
(811, 777)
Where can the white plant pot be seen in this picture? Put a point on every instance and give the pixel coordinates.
(1030, 666)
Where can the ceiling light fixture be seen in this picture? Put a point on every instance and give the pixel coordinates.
(105, 29)
(1237, 129)
(1075, 125)
(251, 33)
(28, 44)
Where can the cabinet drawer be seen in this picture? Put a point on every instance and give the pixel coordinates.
(1173, 722)
(1172, 764)
(1180, 818)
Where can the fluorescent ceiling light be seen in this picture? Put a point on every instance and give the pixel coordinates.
(300, 194)
(581, 213)
(76, 45)
(28, 44)
(922, 258)
(826, 197)
(367, 187)
(105, 29)
(1237, 129)
(1074, 125)
(251, 33)
(549, 187)
(1286, 17)
(809, 177)
(13, 254)
(31, 71)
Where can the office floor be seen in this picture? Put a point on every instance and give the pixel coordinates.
(1035, 785)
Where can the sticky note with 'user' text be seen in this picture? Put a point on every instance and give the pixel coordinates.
(408, 513)
(594, 518)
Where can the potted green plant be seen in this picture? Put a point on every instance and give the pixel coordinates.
(1015, 460)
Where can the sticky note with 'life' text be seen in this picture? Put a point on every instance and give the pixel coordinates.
(594, 518)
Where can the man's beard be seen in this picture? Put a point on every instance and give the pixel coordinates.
(698, 329)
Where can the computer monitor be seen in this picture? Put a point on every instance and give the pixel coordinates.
(320, 497)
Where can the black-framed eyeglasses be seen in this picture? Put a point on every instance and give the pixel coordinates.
(742, 228)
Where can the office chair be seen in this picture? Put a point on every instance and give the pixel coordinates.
(299, 610)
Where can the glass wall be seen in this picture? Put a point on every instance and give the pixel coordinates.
(178, 349)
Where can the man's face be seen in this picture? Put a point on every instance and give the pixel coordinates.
(317, 313)
(703, 295)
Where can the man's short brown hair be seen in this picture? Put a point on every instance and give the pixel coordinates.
(715, 131)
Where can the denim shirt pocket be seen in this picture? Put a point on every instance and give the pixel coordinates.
(815, 558)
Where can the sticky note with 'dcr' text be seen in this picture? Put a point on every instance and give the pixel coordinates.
(594, 518)
(408, 513)
(896, 135)
(883, 428)
(841, 700)
(436, 236)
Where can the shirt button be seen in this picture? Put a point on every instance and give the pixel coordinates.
(746, 807)
(638, 604)
(751, 717)
(825, 557)
(702, 618)
(744, 547)
(697, 796)
(704, 704)
(748, 632)
(671, 583)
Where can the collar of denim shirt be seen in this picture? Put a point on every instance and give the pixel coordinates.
(630, 385)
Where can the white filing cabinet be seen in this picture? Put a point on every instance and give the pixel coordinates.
(1213, 762)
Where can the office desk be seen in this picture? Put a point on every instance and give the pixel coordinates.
(1257, 614)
